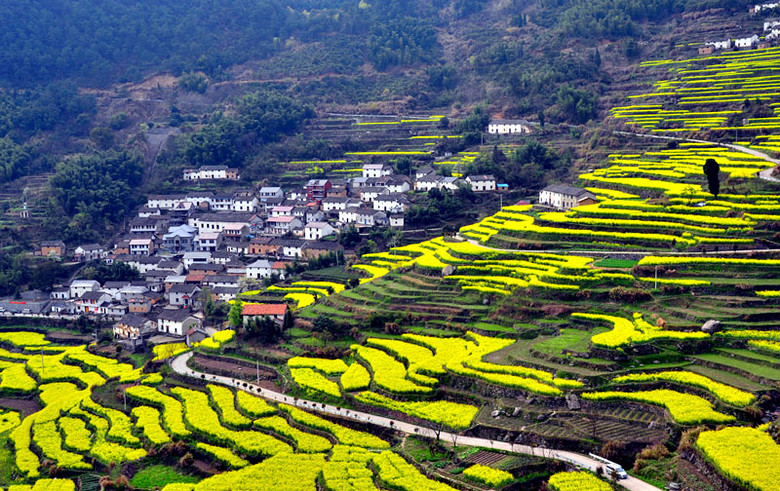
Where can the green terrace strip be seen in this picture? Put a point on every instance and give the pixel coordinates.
(747, 456)
(685, 409)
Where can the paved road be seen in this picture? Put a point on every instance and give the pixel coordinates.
(179, 365)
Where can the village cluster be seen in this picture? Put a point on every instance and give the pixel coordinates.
(770, 34)
(225, 243)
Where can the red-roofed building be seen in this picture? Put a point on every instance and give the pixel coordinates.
(275, 311)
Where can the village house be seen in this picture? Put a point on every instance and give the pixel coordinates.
(317, 230)
(216, 222)
(131, 292)
(317, 189)
(140, 306)
(146, 225)
(508, 126)
(262, 246)
(377, 170)
(424, 171)
(197, 257)
(397, 220)
(314, 214)
(266, 193)
(183, 295)
(334, 204)
(349, 215)
(392, 203)
(428, 182)
(282, 224)
(179, 239)
(165, 202)
(292, 248)
(90, 302)
(52, 248)
(133, 326)
(222, 202)
(80, 287)
(749, 42)
(176, 321)
(563, 197)
(146, 212)
(370, 193)
(89, 252)
(245, 204)
(481, 183)
(274, 311)
(281, 211)
(319, 248)
(371, 218)
(144, 247)
(207, 241)
(262, 268)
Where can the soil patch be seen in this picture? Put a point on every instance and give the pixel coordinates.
(236, 370)
(25, 406)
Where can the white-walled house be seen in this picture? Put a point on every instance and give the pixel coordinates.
(282, 224)
(377, 170)
(268, 192)
(392, 203)
(317, 230)
(482, 183)
(508, 126)
(371, 218)
(262, 268)
(749, 42)
(80, 287)
(563, 197)
(176, 321)
(428, 182)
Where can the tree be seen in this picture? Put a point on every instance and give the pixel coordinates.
(349, 237)
(712, 171)
(264, 329)
(234, 315)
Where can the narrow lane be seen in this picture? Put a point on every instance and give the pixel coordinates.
(179, 365)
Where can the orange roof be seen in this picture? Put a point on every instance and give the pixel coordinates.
(265, 309)
(195, 277)
(279, 265)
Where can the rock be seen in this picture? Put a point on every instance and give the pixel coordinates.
(496, 413)
(516, 412)
(447, 270)
(711, 326)
(573, 402)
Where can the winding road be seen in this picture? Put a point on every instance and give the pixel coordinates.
(179, 365)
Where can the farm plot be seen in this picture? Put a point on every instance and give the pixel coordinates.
(709, 92)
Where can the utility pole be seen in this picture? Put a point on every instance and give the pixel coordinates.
(656, 277)
(257, 364)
